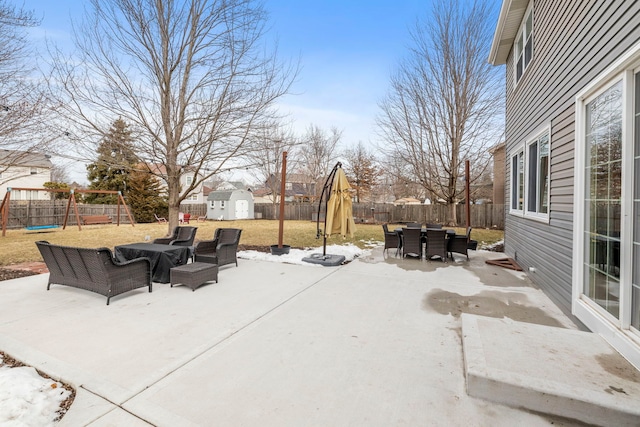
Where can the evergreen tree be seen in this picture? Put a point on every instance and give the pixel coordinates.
(144, 197)
(115, 161)
(54, 185)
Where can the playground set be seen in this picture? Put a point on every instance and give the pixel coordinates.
(86, 220)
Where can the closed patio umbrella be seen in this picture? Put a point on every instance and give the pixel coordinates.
(338, 215)
(340, 207)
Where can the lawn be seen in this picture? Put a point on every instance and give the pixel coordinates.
(18, 245)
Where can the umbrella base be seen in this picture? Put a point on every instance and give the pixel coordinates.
(276, 250)
(327, 260)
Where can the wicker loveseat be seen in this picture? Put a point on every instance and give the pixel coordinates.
(94, 270)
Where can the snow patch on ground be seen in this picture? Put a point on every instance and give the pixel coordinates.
(27, 399)
(350, 252)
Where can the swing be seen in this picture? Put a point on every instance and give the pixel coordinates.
(4, 208)
(41, 228)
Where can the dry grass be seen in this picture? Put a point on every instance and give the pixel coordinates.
(18, 245)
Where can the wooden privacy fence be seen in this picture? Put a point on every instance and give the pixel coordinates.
(51, 212)
(33, 213)
(482, 216)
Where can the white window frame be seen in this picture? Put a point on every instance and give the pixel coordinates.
(528, 213)
(515, 182)
(523, 36)
(616, 331)
(524, 150)
(188, 179)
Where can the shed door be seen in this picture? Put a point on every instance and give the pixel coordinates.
(242, 209)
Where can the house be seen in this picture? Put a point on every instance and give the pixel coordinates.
(19, 169)
(408, 201)
(230, 204)
(299, 188)
(573, 156)
(197, 196)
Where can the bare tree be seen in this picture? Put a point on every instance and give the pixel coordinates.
(445, 102)
(193, 79)
(362, 170)
(318, 154)
(59, 174)
(268, 149)
(23, 129)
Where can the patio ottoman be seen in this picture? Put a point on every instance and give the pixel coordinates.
(194, 275)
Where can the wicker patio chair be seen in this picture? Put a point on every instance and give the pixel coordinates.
(460, 244)
(411, 242)
(181, 236)
(94, 270)
(436, 244)
(221, 250)
(391, 240)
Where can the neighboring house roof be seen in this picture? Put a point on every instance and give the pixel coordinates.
(407, 201)
(22, 158)
(497, 147)
(507, 28)
(260, 192)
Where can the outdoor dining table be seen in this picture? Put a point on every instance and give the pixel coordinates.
(423, 233)
(162, 257)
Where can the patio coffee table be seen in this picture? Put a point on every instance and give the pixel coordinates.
(162, 257)
(194, 275)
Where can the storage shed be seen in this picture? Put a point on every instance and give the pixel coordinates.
(230, 205)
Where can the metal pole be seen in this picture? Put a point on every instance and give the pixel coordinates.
(283, 182)
(468, 202)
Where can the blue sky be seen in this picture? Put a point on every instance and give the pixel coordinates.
(348, 50)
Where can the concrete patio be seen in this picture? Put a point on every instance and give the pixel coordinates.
(380, 341)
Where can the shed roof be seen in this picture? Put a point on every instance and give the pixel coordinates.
(224, 194)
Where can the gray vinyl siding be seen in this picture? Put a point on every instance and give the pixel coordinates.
(574, 41)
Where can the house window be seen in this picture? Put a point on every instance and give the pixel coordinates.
(34, 171)
(192, 197)
(606, 214)
(530, 179)
(288, 186)
(603, 178)
(524, 44)
(538, 176)
(189, 180)
(517, 181)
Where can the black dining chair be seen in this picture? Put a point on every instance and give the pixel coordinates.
(436, 244)
(391, 240)
(414, 225)
(411, 242)
(434, 226)
(460, 244)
